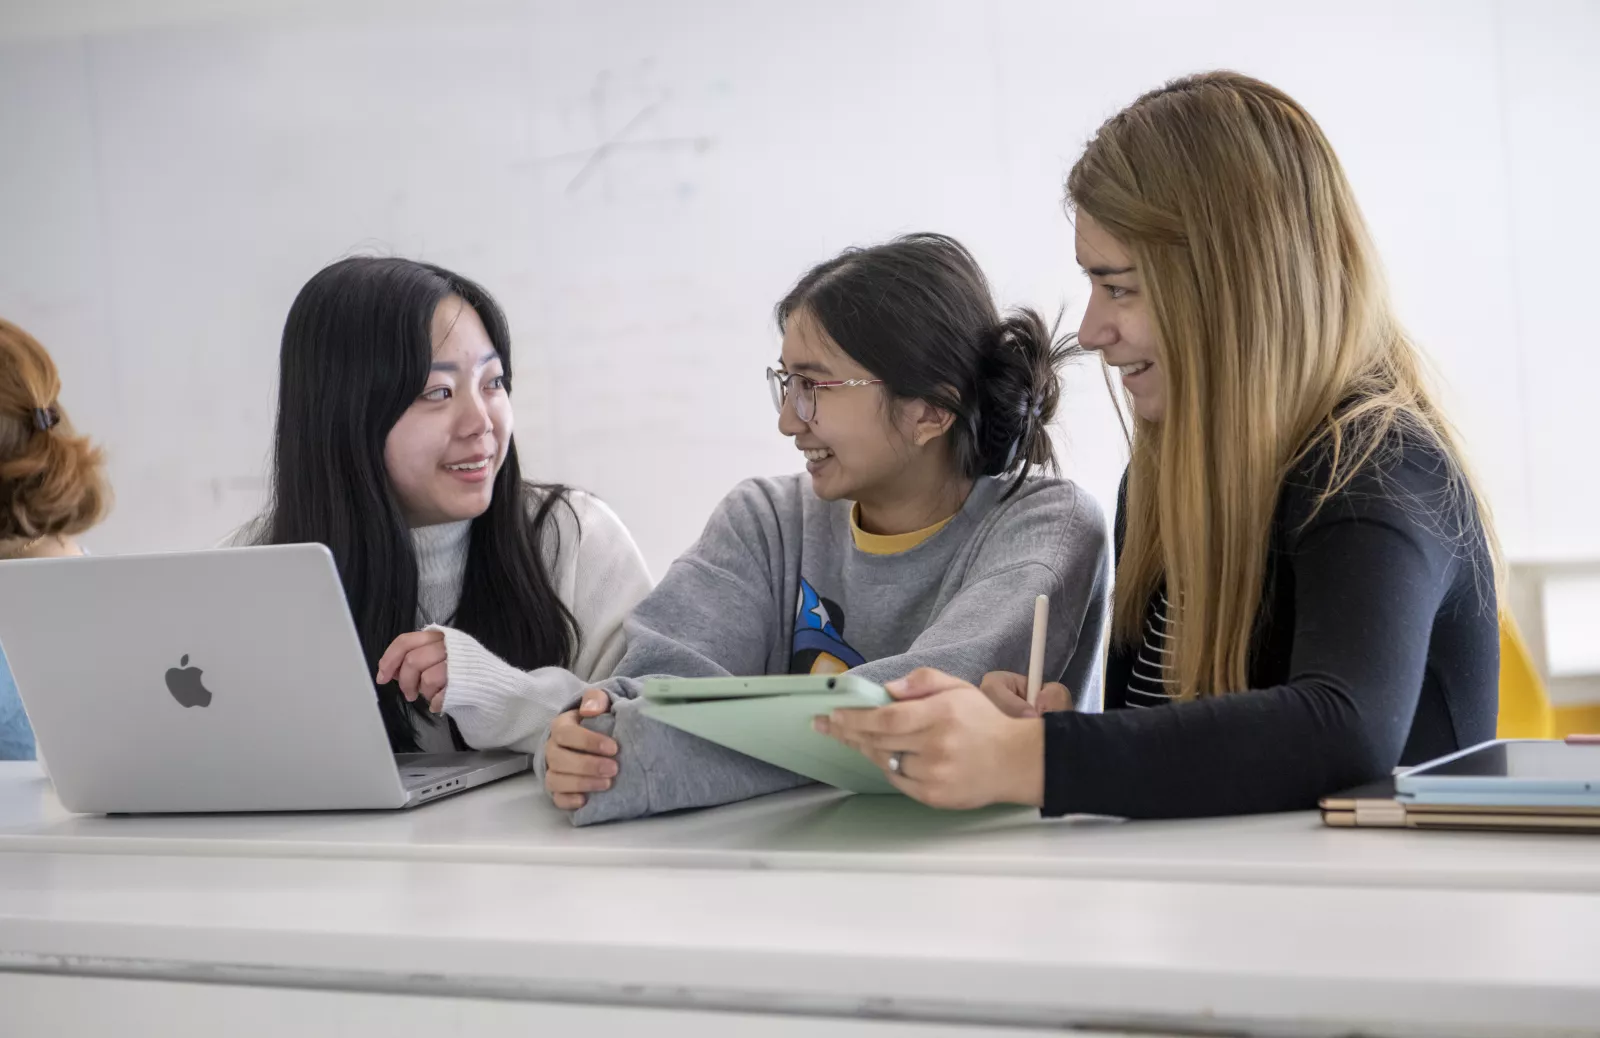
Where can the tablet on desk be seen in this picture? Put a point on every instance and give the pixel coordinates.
(769, 718)
(1508, 772)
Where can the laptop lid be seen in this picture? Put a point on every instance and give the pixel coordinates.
(223, 680)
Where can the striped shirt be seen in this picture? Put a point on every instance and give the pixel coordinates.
(1148, 684)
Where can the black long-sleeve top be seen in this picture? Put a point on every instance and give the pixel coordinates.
(1376, 644)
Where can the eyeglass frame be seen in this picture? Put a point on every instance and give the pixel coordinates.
(781, 379)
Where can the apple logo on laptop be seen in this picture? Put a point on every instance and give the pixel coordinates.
(185, 685)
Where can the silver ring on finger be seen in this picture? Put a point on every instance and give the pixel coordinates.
(897, 761)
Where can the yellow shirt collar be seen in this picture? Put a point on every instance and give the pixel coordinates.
(890, 543)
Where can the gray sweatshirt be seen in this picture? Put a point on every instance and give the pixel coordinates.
(777, 585)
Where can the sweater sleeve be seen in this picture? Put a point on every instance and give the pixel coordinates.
(1370, 572)
(682, 629)
(497, 706)
(715, 613)
(610, 579)
(598, 568)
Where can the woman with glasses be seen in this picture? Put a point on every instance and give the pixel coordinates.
(919, 535)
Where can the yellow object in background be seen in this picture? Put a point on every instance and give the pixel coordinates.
(1525, 711)
(1583, 719)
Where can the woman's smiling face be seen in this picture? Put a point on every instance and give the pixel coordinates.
(444, 452)
(1118, 323)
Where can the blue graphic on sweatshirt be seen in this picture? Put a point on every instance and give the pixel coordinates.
(819, 646)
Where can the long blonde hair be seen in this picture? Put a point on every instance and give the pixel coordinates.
(1276, 337)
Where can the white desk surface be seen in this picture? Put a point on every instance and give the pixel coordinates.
(513, 822)
(1024, 951)
(837, 909)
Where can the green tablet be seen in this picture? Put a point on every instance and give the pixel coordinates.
(769, 718)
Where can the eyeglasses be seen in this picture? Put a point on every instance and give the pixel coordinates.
(805, 390)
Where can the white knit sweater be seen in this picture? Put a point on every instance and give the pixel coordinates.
(597, 573)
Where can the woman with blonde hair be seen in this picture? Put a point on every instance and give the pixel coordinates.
(51, 488)
(1305, 591)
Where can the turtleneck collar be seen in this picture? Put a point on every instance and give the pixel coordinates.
(441, 552)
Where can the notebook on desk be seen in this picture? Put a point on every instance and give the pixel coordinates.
(1529, 785)
(1375, 806)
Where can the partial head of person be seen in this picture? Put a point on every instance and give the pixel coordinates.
(1236, 289)
(900, 379)
(394, 413)
(52, 483)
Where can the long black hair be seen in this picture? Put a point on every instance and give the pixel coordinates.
(357, 348)
(917, 312)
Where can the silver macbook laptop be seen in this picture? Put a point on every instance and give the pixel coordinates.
(225, 680)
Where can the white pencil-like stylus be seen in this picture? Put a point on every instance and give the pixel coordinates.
(1041, 619)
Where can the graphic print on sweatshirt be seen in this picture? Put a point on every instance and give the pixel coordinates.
(819, 646)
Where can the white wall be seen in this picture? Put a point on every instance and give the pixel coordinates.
(173, 172)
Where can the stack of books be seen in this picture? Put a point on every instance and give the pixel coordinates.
(1542, 785)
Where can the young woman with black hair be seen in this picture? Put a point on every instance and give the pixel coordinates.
(919, 536)
(394, 449)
